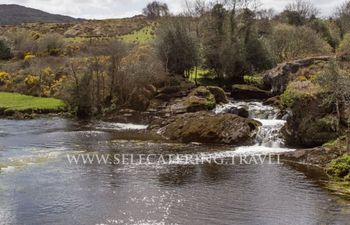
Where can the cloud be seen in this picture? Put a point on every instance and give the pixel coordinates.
(100, 9)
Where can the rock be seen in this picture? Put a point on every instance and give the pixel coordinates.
(274, 101)
(310, 124)
(242, 91)
(242, 112)
(74, 31)
(319, 156)
(219, 94)
(170, 92)
(200, 99)
(151, 88)
(277, 79)
(206, 127)
(139, 102)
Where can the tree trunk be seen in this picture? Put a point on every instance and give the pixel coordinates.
(348, 138)
(338, 115)
(196, 76)
(348, 142)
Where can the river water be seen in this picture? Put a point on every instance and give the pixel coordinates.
(38, 184)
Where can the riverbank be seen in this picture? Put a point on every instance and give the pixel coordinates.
(18, 106)
(332, 159)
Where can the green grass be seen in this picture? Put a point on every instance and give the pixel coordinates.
(76, 39)
(201, 73)
(142, 36)
(20, 103)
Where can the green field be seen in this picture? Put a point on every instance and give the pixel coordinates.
(21, 103)
(141, 36)
(201, 73)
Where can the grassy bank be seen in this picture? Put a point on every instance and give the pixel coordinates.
(14, 102)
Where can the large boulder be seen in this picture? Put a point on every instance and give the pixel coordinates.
(200, 99)
(277, 78)
(141, 100)
(206, 127)
(243, 92)
(219, 94)
(310, 123)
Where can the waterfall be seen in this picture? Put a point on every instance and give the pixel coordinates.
(268, 138)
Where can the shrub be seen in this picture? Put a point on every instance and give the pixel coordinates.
(31, 80)
(289, 42)
(4, 77)
(5, 49)
(340, 168)
(297, 91)
(23, 43)
(29, 56)
(254, 80)
(51, 44)
(344, 45)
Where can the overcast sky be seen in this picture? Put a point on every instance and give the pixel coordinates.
(100, 9)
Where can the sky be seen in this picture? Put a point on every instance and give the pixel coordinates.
(102, 9)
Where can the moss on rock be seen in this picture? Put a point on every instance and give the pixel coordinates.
(207, 127)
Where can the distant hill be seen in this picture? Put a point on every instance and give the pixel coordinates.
(16, 14)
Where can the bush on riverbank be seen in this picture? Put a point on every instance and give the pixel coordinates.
(340, 168)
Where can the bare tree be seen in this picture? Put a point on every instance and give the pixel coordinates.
(343, 17)
(304, 8)
(197, 8)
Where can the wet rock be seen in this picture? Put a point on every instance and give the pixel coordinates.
(206, 127)
(242, 112)
(243, 92)
(315, 156)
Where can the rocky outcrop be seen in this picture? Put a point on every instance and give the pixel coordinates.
(310, 123)
(200, 99)
(315, 156)
(277, 79)
(244, 92)
(206, 127)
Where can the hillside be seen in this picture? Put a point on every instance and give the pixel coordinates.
(16, 14)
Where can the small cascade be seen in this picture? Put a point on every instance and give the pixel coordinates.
(269, 136)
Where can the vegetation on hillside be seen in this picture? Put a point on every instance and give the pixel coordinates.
(99, 67)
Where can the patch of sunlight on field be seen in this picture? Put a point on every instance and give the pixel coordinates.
(19, 102)
(141, 36)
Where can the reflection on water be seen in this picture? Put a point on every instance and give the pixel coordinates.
(45, 189)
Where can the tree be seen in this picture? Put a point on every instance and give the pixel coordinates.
(304, 8)
(156, 9)
(336, 82)
(5, 48)
(214, 40)
(343, 17)
(344, 46)
(292, 18)
(289, 42)
(322, 28)
(177, 47)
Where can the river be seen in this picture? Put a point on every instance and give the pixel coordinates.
(38, 184)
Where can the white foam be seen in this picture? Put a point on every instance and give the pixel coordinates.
(272, 122)
(120, 126)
